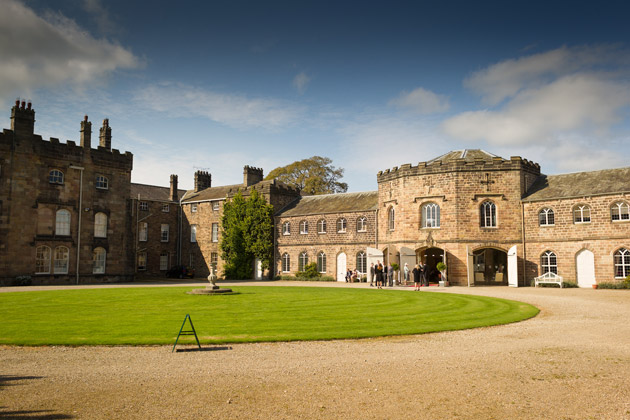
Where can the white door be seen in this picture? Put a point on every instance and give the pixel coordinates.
(585, 263)
(341, 267)
(470, 265)
(512, 267)
(258, 271)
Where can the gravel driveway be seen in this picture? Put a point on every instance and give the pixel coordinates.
(572, 361)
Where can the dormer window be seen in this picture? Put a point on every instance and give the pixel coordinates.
(55, 177)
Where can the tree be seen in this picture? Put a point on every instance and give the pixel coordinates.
(247, 234)
(312, 176)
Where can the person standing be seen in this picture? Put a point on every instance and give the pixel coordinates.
(416, 277)
(425, 274)
(372, 273)
(390, 275)
(406, 274)
(379, 274)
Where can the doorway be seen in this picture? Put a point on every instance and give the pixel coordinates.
(431, 257)
(490, 267)
(585, 266)
(341, 267)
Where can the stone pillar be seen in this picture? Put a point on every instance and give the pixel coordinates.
(86, 133)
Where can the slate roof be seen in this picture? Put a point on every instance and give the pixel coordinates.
(580, 184)
(469, 155)
(212, 193)
(332, 203)
(153, 193)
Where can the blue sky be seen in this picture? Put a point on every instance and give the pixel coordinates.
(219, 85)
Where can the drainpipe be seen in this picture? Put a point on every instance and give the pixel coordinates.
(524, 244)
(79, 168)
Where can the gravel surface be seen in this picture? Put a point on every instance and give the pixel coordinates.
(572, 361)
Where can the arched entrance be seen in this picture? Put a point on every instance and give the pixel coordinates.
(431, 257)
(585, 267)
(490, 267)
(341, 267)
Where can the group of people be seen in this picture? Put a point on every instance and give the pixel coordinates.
(420, 275)
(383, 275)
(352, 275)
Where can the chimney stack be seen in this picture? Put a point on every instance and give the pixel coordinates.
(86, 133)
(252, 175)
(203, 180)
(105, 139)
(22, 119)
(174, 194)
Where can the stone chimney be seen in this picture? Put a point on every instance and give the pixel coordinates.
(105, 139)
(86, 133)
(203, 180)
(23, 119)
(252, 175)
(174, 194)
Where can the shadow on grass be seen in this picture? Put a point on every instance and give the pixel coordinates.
(203, 349)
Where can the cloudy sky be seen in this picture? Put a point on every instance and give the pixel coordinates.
(216, 85)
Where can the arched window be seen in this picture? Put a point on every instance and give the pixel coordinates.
(361, 262)
(321, 226)
(391, 218)
(303, 260)
(430, 215)
(286, 228)
(362, 224)
(622, 263)
(42, 260)
(581, 214)
(100, 225)
(303, 227)
(62, 257)
(488, 214)
(546, 217)
(549, 262)
(55, 177)
(321, 262)
(341, 225)
(98, 260)
(193, 233)
(286, 263)
(620, 211)
(62, 223)
(102, 182)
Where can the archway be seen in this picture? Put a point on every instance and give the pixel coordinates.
(585, 267)
(431, 257)
(490, 267)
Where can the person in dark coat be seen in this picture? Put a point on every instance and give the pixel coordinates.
(378, 269)
(372, 274)
(416, 277)
(425, 274)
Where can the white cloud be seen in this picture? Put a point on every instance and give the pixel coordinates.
(422, 101)
(300, 82)
(179, 100)
(40, 52)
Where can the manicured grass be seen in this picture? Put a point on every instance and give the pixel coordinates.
(138, 316)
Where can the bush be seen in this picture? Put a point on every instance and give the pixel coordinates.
(22, 281)
(302, 278)
(395, 267)
(310, 271)
(614, 285)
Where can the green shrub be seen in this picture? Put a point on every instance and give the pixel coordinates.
(395, 267)
(22, 281)
(310, 271)
(303, 278)
(441, 267)
(614, 285)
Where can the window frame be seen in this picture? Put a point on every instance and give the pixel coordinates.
(143, 205)
(166, 208)
(362, 224)
(193, 208)
(216, 206)
(143, 232)
(321, 262)
(43, 256)
(142, 261)
(286, 228)
(100, 225)
(165, 232)
(60, 265)
(56, 176)
(361, 262)
(582, 208)
(435, 213)
(342, 225)
(548, 262)
(286, 263)
(102, 183)
(485, 217)
(302, 260)
(621, 263)
(322, 226)
(544, 215)
(193, 233)
(63, 226)
(304, 227)
(621, 216)
(164, 261)
(391, 219)
(215, 232)
(99, 260)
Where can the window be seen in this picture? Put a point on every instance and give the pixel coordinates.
(62, 223)
(98, 259)
(430, 215)
(321, 262)
(549, 263)
(362, 262)
(55, 177)
(164, 261)
(102, 182)
(193, 233)
(214, 259)
(582, 214)
(164, 230)
(362, 224)
(193, 208)
(215, 232)
(215, 206)
(321, 226)
(166, 208)
(100, 225)
(142, 261)
(42, 260)
(620, 211)
(622, 263)
(488, 214)
(391, 218)
(546, 217)
(144, 206)
(341, 225)
(143, 233)
(286, 228)
(286, 263)
(303, 227)
(303, 260)
(62, 257)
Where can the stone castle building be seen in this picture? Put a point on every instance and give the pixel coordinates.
(70, 214)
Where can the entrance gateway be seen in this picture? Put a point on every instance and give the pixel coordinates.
(492, 267)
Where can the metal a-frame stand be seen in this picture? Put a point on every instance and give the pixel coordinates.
(182, 332)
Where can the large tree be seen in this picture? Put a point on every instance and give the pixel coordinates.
(247, 234)
(312, 176)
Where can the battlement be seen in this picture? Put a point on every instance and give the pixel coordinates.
(252, 175)
(203, 180)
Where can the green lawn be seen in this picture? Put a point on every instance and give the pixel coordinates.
(137, 316)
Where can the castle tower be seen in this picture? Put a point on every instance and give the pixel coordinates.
(174, 195)
(105, 139)
(203, 180)
(22, 119)
(86, 133)
(252, 175)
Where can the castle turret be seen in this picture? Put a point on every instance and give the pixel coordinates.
(174, 195)
(86, 133)
(105, 139)
(23, 119)
(252, 175)
(203, 180)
